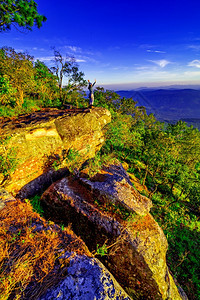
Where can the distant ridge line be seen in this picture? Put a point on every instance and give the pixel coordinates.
(167, 104)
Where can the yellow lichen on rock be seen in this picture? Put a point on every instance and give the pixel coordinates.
(36, 145)
(41, 132)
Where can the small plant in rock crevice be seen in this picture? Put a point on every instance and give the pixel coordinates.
(102, 251)
(115, 208)
(95, 164)
(70, 159)
(36, 204)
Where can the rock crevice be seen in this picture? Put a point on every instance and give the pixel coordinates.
(135, 243)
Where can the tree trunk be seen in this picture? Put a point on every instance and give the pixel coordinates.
(145, 176)
(20, 100)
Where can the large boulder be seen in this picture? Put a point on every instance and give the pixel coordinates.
(31, 144)
(113, 185)
(86, 279)
(107, 211)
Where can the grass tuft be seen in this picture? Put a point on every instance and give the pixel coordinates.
(30, 251)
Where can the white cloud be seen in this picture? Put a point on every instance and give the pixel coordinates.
(79, 54)
(147, 46)
(73, 49)
(162, 62)
(194, 47)
(119, 68)
(194, 63)
(80, 60)
(142, 68)
(51, 58)
(45, 58)
(19, 50)
(155, 51)
(39, 49)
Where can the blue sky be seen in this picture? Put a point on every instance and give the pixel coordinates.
(121, 44)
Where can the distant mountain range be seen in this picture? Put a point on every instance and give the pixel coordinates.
(172, 87)
(170, 104)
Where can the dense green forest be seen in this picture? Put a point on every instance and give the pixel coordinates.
(164, 157)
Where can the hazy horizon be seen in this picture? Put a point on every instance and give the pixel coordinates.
(140, 85)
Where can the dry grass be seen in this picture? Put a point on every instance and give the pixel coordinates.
(30, 250)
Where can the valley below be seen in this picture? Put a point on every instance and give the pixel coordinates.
(169, 105)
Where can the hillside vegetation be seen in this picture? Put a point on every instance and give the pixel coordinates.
(163, 159)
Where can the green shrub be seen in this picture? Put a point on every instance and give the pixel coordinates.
(36, 204)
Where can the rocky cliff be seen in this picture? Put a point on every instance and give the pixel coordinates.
(31, 145)
(112, 218)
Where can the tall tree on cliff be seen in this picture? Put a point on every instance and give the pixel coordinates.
(67, 66)
(19, 13)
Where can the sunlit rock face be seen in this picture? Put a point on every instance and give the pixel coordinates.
(107, 210)
(35, 141)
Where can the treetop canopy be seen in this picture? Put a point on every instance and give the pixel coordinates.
(20, 13)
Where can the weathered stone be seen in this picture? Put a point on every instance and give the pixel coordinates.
(87, 279)
(114, 185)
(83, 132)
(136, 247)
(42, 182)
(5, 197)
(36, 143)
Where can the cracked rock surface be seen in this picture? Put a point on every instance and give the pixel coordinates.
(87, 279)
